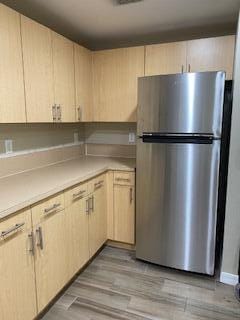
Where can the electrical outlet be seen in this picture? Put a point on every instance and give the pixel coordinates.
(75, 137)
(131, 137)
(8, 146)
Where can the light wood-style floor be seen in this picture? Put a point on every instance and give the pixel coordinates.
(117, 286)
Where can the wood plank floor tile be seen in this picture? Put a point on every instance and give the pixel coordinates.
(117, 286)
(100, 295)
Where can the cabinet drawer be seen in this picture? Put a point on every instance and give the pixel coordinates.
(47, 207)
(97, 183)
(124, 178)
(12, 226)
(76, 193)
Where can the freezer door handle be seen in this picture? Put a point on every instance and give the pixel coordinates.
(177, 138)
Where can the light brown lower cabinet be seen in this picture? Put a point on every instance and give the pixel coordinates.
(124, 207)
(124, 213)
(51, 260)
(43, 248)
(76, 208)
(97, 214)
(17, 278)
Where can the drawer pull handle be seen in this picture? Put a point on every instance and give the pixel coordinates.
(91, 206)
(40, 238)
(98, 183)
(123, 179)
(31, 239)
(14, 228)
(98, 187)
(78, 194)
(54, 207)
(131, 195)
(87, 206)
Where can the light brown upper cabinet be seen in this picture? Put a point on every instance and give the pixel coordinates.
(115, 75)
(12, 100)
(83, 83)
(38, 70)
(64, 81)
(212, 54)
(167, 58)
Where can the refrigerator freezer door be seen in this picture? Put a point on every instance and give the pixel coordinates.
(181, 103)
(177, 187)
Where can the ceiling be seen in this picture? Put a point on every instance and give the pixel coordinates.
(100, 24)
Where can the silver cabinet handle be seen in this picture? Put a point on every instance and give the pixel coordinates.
(39, 237)
(11, 230)
(87, 206)
(91, 206)
(54, 207)
(189, 68)
(131, 195)
(78, 194)
(123, 179)
(59, 113)
(79, 110)
(31, 239)
(92, 203)
(54, 112)
(98, 183)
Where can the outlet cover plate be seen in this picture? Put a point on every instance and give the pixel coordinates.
(8, 146)
(132, 137)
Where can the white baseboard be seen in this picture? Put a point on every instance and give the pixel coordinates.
(228, 278)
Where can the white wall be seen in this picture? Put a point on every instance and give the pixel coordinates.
(232, 222)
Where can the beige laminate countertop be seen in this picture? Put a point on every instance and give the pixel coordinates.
(24, 189)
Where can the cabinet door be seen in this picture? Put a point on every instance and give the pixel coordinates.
(12, 100)
(98, 215)
(51, 257)
(77, 228)
(17, 278)
(212, 54)
(64, 82)
(124, 213)
(115, 77)
(38, 70)
(83, 83)
(167, 58)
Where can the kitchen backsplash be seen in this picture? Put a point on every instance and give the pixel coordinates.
(27, 137)
(107, 139)
(109, 133)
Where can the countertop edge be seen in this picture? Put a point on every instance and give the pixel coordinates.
(61, 188)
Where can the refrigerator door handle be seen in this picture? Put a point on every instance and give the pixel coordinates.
(178, 138)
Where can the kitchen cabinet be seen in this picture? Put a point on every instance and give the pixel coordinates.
(17, 278)
(51, 264)
(124, 207)
(38, 71)
(83, 83)
(115, 78)
(76, 207)
(97, 209)
(212, 54)
(64, 81)
(12, 99)
(166, 58)
(110, 215)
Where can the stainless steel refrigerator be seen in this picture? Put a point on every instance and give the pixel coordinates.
(178, 155)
